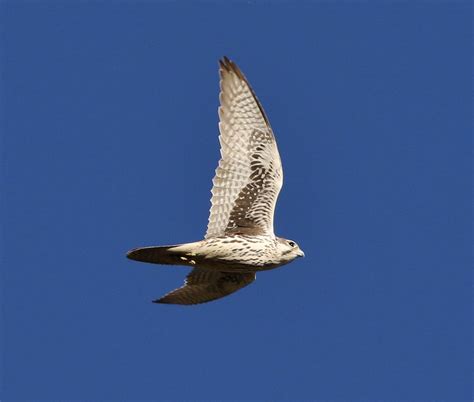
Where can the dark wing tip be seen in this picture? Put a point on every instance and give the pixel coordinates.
(164, 300)
(222, 64)
(160, 301)
(229, 66)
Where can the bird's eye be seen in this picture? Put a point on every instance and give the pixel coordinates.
(291, 243)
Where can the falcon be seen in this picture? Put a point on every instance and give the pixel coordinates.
(239, 240)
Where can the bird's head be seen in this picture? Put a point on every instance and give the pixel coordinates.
(289, 249)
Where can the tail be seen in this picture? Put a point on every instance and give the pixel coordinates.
(159, 255)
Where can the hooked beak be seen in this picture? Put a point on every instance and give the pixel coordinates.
(300, 253)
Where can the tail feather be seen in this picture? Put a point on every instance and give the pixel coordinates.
(158, 255)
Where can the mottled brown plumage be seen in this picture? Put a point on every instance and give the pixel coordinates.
(240, 239)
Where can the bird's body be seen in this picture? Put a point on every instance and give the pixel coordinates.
(240, 240)
(238, 253)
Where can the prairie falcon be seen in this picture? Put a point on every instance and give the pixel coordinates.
(239, 240)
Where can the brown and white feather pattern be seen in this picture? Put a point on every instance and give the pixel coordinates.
(249, 176)
(240, 240)
(202, 286)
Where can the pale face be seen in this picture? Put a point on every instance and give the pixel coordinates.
(289, 249)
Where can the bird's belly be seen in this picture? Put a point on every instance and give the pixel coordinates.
(235, 266)
(236, 253)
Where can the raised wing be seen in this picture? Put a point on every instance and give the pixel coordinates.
(249, 175)
(202, 286)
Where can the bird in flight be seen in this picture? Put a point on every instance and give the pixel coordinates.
(239, 240)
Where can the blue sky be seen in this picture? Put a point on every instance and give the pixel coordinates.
(109, 142)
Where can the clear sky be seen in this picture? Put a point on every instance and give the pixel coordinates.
(109, 142)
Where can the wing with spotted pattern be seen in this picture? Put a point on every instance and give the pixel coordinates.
(249, 176)
(202, 286)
